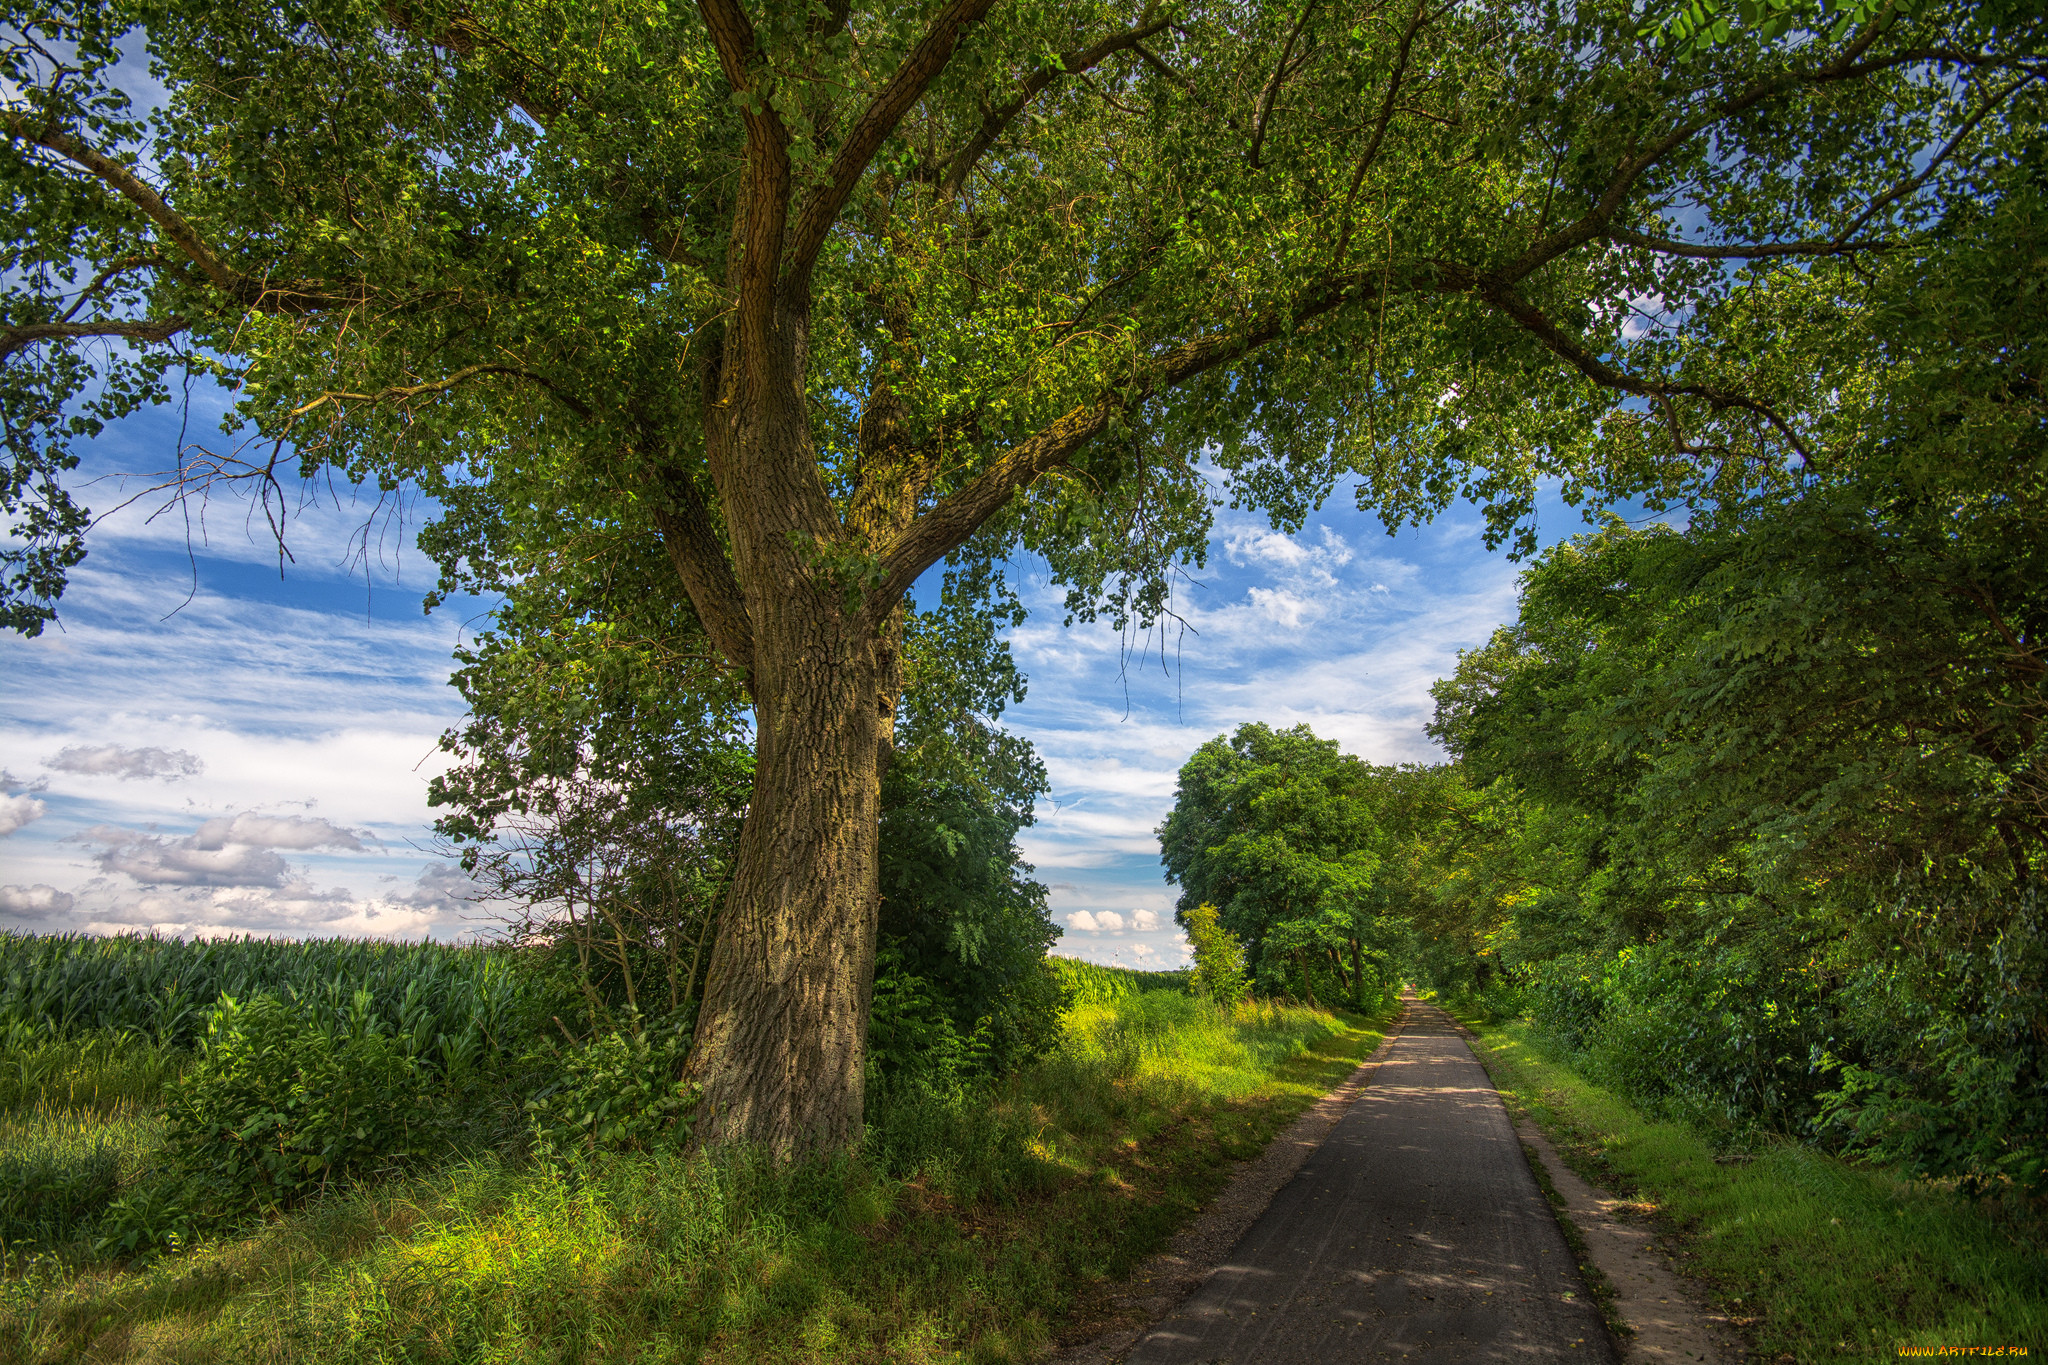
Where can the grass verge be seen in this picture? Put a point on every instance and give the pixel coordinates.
(1817, 1259)
(967, 1229)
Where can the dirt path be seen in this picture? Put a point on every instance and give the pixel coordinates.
(1413, 1231)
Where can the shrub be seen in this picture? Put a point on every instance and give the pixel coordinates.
(617, 1090)
(1219, 957)
(279, 1107)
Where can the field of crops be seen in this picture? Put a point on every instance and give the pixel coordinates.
(1090, 983)
(439, 1002)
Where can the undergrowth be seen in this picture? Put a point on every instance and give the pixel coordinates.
(970, 1226)
(1815, 1258)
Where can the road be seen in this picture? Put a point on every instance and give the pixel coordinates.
(1415, 1232)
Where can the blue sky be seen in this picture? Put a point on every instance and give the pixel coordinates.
(239, 751)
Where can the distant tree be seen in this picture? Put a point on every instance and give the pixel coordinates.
(820, 295)
(1285, 836)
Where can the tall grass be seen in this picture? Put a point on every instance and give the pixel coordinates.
(80, 1120)
(1821, 1259)
(1090, 983)
(968, 1226)
(436, 996)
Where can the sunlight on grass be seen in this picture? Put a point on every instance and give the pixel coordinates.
(967, 1227)
(1822, 1259)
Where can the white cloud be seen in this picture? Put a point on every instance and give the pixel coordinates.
(17, 811)
(1096, 922)
(229, 851)
(1280, 606)
(1252, 544)
(33, 902)
(1146, 920)
(274, 831)
(436, 905)
(152, 860)
(111, 760)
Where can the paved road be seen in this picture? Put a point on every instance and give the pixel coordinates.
(1414, 1232)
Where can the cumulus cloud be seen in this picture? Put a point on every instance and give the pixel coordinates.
(154, 860)
(1280, 606)
(1145, 919)
(16, 811)
(112, 760)
(228, 851)
(33, 902)
(274, 831)
(1258, 545)
(1095, 921)
(444, 888)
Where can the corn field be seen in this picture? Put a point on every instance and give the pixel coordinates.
(447, 1006)
(1090, 983)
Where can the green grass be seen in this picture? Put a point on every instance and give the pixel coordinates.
(80, 1118)
(979, 1226)
(1819, 1259)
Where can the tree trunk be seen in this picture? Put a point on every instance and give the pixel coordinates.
(780, 1051)
(1357, 977)
(1307, 989)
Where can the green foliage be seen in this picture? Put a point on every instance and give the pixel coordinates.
(93, 1071)
(281, 1106)
(48, 1198)
(1286, 837)
(453, 1008)
(1769, 789)
(1827, 1261)
(543, 247)
(1219, 958)
(1090, 983)
(965, 928)
(968, 1226)
(616, 1090)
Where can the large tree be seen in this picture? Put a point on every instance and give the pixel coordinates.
(822, 294)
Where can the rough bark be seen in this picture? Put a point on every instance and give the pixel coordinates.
(780, 1050)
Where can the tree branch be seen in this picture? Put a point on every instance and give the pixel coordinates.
(963, 162)
(1594, 222)
(13, 339)
(765, 197)
(131, 187)
(1271, 93)
(1581, 358)
(701, 562)
(948, 525)
(1666, 246)
(904, 89)
(404, 391)
(1379, 131)
(251, 293)
(1906, 187)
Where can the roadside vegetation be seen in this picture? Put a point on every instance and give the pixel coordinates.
(971, 1223)
(1817, 1259)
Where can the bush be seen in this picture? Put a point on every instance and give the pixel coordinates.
(278, 1108)
(618, 1090)
(1219, 957)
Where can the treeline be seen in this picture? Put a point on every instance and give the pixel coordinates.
(1750, 811)
(1754, 813)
